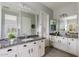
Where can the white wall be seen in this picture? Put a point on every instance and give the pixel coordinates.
(0, 21)
(70, 9)
(32, 7)
(40, 7)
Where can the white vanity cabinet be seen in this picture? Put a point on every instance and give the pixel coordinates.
(29, 49)
(32, 49)
(51, 39)
(23, 50)
(41, 48)
(54, 41)
(9, 52)
(65, 44)
(72, 46)
(37, 48)
(57, 42)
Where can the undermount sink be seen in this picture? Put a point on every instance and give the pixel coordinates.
(27, 39)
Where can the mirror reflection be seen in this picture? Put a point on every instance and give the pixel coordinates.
(18, 23)
(68, 26)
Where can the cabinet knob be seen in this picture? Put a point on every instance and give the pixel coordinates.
(9, 50)
(15, 55)
(34, 42)
(25, 45)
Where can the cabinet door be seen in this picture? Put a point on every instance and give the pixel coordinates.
(60, 43)
(63, 44)
(0, 52)
(41, 48)
(57, 43)
(52, 40)
(77, 47)
(24, 50)
(50, 37)
(28, 49)
(34, 49)
(9, 52)
(72, 47)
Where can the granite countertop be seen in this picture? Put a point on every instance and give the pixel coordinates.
(66, 36)
(6, 43)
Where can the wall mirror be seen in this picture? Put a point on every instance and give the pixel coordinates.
(18, 22)
(68, 26)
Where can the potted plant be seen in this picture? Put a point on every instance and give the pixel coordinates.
(11, 37)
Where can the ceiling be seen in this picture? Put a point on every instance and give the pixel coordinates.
(56, 5)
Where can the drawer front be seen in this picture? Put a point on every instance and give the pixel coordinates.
(9, 50)
(72, 46)
(72, 40)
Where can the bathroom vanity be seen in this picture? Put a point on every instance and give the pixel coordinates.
(28, 47)
(65, 44)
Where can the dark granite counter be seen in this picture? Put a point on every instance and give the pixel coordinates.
(66, 36)
(18, 41)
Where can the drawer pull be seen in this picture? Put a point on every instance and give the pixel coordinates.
(15, 55)
(25, 45)
(9, 50)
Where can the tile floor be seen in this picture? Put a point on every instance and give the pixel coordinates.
(53, 52)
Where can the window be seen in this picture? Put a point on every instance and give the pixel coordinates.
(10, 24)
(26, 25)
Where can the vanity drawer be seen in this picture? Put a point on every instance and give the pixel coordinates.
(8, 52)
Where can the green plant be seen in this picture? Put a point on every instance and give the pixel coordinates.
(11, 35)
